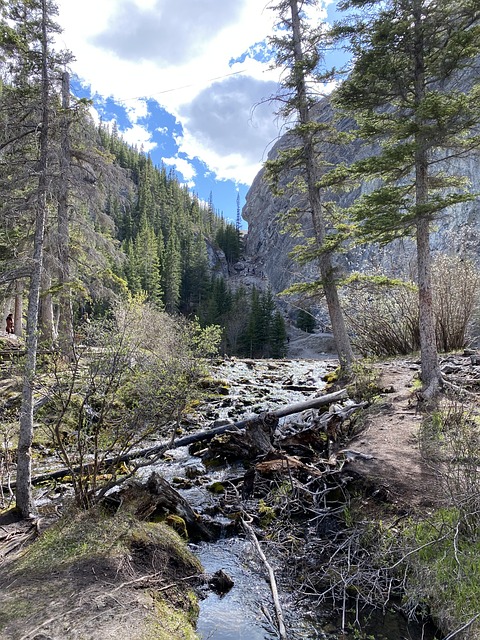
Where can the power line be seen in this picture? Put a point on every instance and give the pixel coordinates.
(186, 86)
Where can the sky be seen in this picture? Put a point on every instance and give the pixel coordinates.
(188, 81)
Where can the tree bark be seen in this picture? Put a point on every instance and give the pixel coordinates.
(431, 376)
(45, 315)
(24, 498)
(340, 334)
(65, 321)
(18, 313)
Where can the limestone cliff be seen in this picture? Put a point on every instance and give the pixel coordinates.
(458, 230)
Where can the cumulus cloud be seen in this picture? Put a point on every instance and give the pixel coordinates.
(167, 32)
(232, 119)
(182, 166)
(179, 53)
(139, 136)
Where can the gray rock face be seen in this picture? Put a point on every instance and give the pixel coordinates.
(457, 231)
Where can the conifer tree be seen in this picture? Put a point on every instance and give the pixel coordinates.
(278, 336)
(30, 25)
(172, 273)
(147, 262)
(404, 92)
(298, 51)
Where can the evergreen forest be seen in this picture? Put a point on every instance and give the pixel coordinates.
(115, 225)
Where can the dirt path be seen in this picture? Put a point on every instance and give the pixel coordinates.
(391, 437)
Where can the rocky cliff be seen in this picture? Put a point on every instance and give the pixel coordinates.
(458, 230)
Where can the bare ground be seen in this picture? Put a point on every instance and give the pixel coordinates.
(390, 435)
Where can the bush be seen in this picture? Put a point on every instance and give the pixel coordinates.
(383, 318)
(449, 440)
(455, 295)
(132, 384)
(383, 314)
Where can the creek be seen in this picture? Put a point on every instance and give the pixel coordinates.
(246, 612)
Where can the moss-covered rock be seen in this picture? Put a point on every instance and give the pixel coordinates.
(91, 574)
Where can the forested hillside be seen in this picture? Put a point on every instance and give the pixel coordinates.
(114, 224)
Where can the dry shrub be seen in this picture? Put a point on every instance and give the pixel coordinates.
(449, 440)
(456, 282)
(131, 384)
(384, 317)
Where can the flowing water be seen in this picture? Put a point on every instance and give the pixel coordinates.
(246, 612)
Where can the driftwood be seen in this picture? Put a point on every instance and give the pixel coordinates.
(271, 577)
(159, 449)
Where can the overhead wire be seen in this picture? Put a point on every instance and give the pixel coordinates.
(186, 86)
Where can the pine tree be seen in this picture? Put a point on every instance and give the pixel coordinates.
(147, 264)
(405, 96)
(172, 273)
(31, 27)
(278, 336)
(298, 52)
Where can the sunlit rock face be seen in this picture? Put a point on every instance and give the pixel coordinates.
(458, 231)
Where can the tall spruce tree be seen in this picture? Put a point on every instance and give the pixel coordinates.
(298, 51)
(31, 27)
(404, 89)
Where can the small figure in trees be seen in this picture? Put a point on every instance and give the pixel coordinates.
(9, 323)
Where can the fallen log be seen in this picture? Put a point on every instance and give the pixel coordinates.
(160, 448)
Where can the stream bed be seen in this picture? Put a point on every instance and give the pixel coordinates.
(246, 612)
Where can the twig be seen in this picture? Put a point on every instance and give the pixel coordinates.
(465, 626)
(152, 576)
(273, 583)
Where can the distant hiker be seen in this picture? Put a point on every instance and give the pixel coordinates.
(9, 322)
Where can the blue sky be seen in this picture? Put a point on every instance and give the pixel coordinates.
(187, 80)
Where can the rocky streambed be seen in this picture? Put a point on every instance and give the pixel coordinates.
(213, 482)
(281, 492)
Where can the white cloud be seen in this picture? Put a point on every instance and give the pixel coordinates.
(179, 53)
(139, 136)
(229, 124)
(166, 33)
(182, 166)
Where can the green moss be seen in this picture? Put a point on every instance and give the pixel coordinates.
(267, 514)
(87, 544)
(331, 377)
(15, 609)
(76, 537)
(178, 524)
(216, 487)
(169, 623)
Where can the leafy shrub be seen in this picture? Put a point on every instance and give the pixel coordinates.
(134, 381)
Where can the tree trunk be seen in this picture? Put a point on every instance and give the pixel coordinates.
(18, 313)
(65, 320)
(24, 498)
(340, 334)
(431, 376)
(45, 316)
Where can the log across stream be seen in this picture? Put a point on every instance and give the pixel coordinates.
(247, 610)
